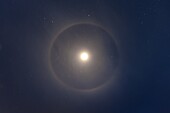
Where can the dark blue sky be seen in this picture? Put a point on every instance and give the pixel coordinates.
(141, 29)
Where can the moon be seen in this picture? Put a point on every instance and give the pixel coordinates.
(84, 56)
(97, 61)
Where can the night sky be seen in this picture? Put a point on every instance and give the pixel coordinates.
(128, 70)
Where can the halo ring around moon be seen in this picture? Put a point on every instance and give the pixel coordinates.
(61, 81)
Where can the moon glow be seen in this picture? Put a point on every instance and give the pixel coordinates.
(97, 59)
(84, 56)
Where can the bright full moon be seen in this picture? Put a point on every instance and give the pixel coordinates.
(80, 57)
(84, 56)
